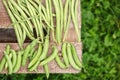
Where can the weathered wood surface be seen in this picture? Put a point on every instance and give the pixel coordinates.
(71, 37)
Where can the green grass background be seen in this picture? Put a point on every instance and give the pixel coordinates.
(101, 44)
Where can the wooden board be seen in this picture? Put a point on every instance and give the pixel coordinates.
(71, 37)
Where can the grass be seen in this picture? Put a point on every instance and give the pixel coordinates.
(101, 44)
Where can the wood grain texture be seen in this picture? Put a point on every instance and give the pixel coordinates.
(71, 37)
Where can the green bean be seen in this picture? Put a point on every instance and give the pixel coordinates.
(40, 28)
(47, 10)
(22, 13)
(25, 55)
(51, 57)
(45, 48)
(6, 65)
(74, 20)
(59, 62)
(64, 53)
(46, 68)
(65, 14)
(18, 62)
(9, 62)
(51, 19)
(23, 34)
(34, 43)
(76, 9)
(29, 7)
(13, 20)
(14, 57)
(34, 66)
(61, 14)
(29, 49)
(58, 29)
(67, 24)
(70, 57)
(75, 56)
(7, 49)
(22, 24)
(2, 64)
(35, 59)
(32, 52)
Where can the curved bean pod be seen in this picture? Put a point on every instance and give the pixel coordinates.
(58, 29)
(9, 62)
(35, 59)
(2, 64)
(59, 62)
(51, 57)
(18, 62)
(64, 53)
(70, 57)
(75, 56)
(25, 55)
(14, 57)
(45, 48)
(46, 69)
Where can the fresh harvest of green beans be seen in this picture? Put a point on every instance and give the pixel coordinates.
(41, 23)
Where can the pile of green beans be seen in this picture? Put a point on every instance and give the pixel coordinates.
(51, 21)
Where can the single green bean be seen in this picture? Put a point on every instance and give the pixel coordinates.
(61, 14)
(51, 57)
(64, 53)
(58, 29)
(18, 62)
(9, 62)
(45, 48)
(70, 57)
(75, 56)
(32, 52)
(65, 14)
(51, 19)
(35, 59)
(25, 55)
(2, 64)
(76, 9)
(7, 49)
(46, 69)
(6, 65)
(14, 57)
(59, 62)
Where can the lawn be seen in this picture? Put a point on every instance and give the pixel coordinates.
(101, 44)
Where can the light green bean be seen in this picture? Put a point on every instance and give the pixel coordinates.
(75, 56)
(35, 59)
(9, 62)
(64, 53)
(18, 62)
(51, 57)
(59, 62)
(70, 57)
